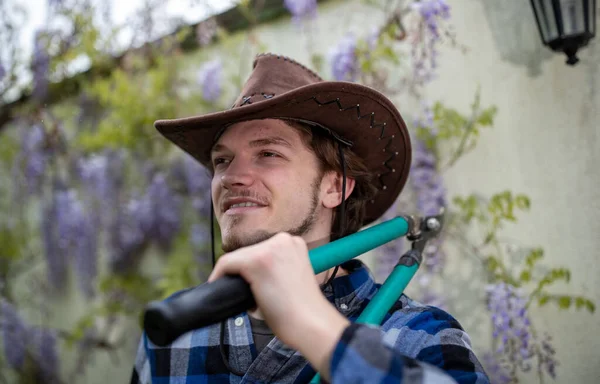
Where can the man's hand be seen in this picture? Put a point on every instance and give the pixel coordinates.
(286, 292)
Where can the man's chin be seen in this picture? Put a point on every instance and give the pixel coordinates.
(237, 239)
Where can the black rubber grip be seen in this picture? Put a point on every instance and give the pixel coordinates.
(207, 304)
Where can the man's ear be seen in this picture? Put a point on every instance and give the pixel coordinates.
(332, 186)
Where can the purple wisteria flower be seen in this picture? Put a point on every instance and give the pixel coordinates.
(126, 237)
(210, 79)
(426, 120)
(301, 9)
(425, 52)
(56, 257)
(431, 11)
(14, 335)
(44, 351)
(498, 372)
(548, 356)
(344, 60)
(85, 251)
(102, 177)
(77, 237)
(425, 180)
(372, 38)
(40, 67)
(192, 177)
(389, 254)
(151, 217)
(510, 320)
(34, 156)
(161, 212)
(197, 183)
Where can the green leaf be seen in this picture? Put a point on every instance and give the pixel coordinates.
(590, 306)
(137, 286)
(564, 302)
(12, 240)
(82, 325)
(582, 302)
(552, 276)
(317, 60)
(8, 150)
(492, 264)
(486, 118)
(534, 256)
(523, 202)
(525, 276)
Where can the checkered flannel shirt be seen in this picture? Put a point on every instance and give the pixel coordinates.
(414, 344)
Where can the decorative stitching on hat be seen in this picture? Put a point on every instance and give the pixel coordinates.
(285, 58)
(246, 100)
(267, 95)
(373, 124)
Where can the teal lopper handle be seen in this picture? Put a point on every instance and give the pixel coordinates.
(338, 252)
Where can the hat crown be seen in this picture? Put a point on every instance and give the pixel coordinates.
(273, 75)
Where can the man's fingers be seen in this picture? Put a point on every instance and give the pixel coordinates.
(229, 264)
(261, 256)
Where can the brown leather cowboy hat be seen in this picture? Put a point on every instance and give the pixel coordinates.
(280, 87)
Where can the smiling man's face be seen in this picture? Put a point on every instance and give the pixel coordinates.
(266, 181)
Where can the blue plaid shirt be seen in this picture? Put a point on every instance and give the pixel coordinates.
(414, 344)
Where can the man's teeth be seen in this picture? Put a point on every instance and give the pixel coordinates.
(244, 205)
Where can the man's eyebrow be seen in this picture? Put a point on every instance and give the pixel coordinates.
(271, 140)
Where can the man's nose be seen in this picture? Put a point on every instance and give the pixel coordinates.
(238, 173)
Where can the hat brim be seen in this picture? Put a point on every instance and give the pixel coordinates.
(355, 112)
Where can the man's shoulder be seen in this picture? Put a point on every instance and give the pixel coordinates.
(414, 327)
(413, 315)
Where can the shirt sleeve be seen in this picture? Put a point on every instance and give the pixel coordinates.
(141, 367)
(363, 355)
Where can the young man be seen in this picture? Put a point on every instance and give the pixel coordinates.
(298, 162)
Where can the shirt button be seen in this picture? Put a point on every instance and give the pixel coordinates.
(344, 306)
(239, 321)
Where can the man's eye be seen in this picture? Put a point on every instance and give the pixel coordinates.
(269, 154)
(219, 160)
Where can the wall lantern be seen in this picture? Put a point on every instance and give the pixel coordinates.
(566, 25)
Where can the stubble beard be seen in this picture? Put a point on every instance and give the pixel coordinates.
(239, 241)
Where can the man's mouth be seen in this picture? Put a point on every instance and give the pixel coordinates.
(242, 207)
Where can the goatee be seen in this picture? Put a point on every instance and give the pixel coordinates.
(235, 242)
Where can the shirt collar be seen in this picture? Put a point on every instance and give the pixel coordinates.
(349, 291)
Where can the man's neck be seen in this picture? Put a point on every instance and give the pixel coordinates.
(317, 243)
